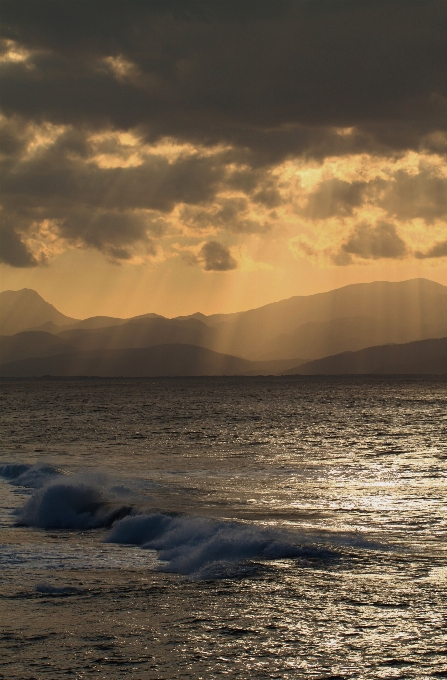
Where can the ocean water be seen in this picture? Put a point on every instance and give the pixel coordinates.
(229, 527)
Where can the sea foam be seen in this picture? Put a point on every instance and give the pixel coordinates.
(197, 547)
(201, 547)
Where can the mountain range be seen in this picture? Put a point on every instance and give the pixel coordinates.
(420, 357)
(161, 360)
(328, 332)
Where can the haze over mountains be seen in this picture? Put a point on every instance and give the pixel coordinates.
(421, 357)
(37, 339)
(24, 309)
(161, 360)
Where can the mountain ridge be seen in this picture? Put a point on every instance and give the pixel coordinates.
(311, 327)
(157, 361)
(22, 309)
(408, 305)
(421, 357)
(318, 339)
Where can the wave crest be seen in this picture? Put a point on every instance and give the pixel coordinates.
(70, 505)
(197, 547)
(29, 476)
(201, 547)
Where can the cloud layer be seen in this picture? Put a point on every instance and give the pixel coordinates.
(129, 127)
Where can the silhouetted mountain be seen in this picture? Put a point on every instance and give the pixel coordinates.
(313, 326)
(49, 327)
(212, 319)
(144, 317)
(94, 322)
(151, 332)
(198, 315)
(319, 339)
(421, 357)
(406, 309)
(24, 309)
(30, 344)
(162, 360)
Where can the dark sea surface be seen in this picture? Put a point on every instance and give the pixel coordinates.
(223, 527)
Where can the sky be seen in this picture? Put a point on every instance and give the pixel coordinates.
(181, 156)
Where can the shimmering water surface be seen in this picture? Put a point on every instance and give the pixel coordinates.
(275, 528)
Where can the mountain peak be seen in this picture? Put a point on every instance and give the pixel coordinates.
(24, 309)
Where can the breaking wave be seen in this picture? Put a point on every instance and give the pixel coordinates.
(29, 476)
(62, 501)
(197, 547)
(203, 548)
(70, 504)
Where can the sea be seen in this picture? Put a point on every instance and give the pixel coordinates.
(241, 527)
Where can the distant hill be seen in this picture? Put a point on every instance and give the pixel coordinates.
(211, 319)
(407, 309)
(162, 360)
(30, 344)
(24, 309)
(93, 323)
(311, 327)
(318, 339)
(421, 357)
(141, 333)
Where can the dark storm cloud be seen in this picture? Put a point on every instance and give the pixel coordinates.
(404, 196)
(59, 174)
(373, 242)
(225, 215)
(421, 195)
(13, 138)
(216, 257)
(13, 251)
(335, 197)
(272, 77)
(269, 196)
(268, 80)
(438, 250)
(111, 208)
(230, 214)
(106, 208)
(110, 232)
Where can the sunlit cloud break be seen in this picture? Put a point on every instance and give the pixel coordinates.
(213, 127)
